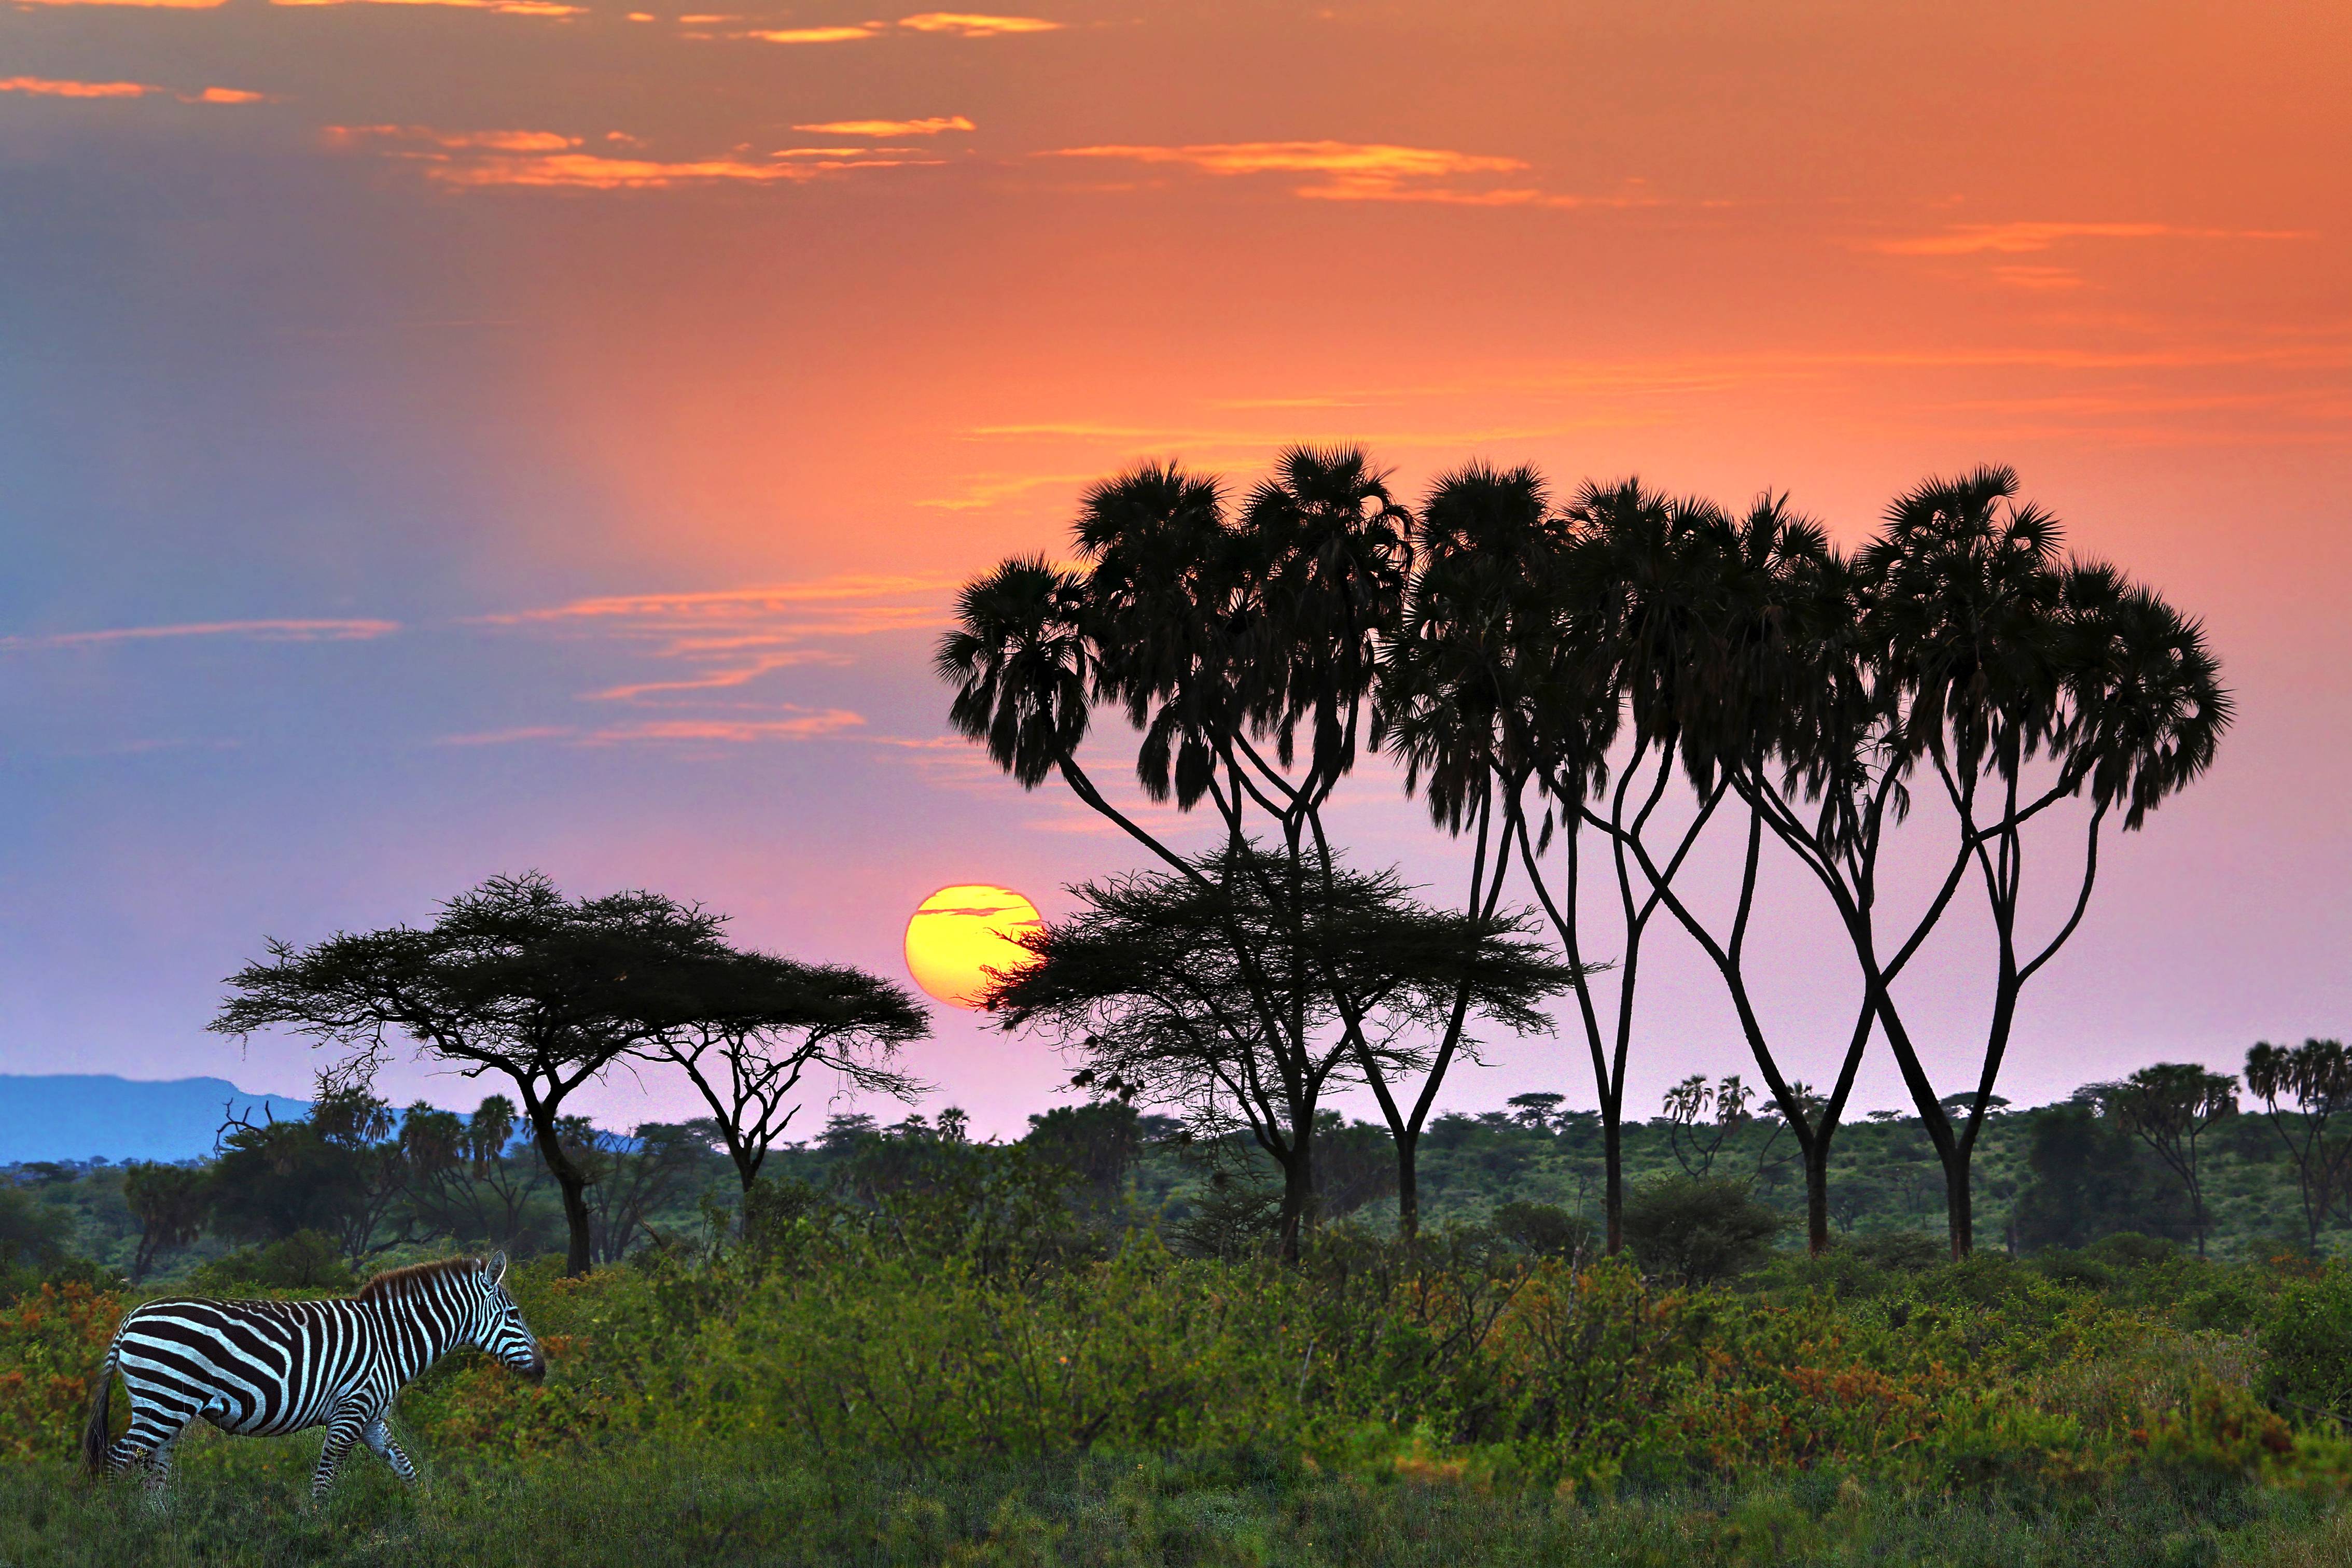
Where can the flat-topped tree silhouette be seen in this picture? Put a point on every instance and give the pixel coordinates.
(1140, 983)
(774, 1019)
(514, 978)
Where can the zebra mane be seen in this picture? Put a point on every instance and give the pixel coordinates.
(396, 1282)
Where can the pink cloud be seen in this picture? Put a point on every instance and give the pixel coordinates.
(1365, 172)
(931, 127)
(2022, 238)
(804, 723)
(256, 631)
(549, 159)
(968, 24)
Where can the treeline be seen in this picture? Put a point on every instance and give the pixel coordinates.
(1582, 693)
(1713, 1184)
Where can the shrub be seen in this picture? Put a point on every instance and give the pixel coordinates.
(306, 1260)
(1696, 1229)
(2308, 1345)
(1544, 1230)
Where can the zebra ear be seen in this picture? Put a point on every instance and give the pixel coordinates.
(495, 1266)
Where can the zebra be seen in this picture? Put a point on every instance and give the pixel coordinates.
(259, 1368)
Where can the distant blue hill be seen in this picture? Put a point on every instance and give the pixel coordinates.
(80, 1116)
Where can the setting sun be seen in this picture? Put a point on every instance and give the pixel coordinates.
(961, 933)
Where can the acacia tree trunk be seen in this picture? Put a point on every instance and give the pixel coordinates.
(1408, 1156)
(578, 1253)
(1817, 1196)
(1298, 1190)
(1612, 1198)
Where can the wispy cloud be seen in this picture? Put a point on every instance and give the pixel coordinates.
(981, 491)
(803, 724)
(957, 23)
(549, 159)
(50, 87)
(968, 24)
(143, 5)
(849, 34)
(1364, 172)
(2024, 238)
(726, 639)
(890, 127)
(255, 630)
(503, 8)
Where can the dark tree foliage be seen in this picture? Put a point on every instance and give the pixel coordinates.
(2316, 1078)
(1694, 1230)
(2169, 1108)
(1240, 646)
(1097, 1142)
(1545, 1230)
(2090, 1180)
(514, 978)
(1143, 983)
(462, 1183)
(170, 1202)
(632, 1177)
(274, 1179)
(773, 1018)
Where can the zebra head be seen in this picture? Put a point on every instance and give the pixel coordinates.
(499, 1328)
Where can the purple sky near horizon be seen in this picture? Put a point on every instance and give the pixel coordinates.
(538, 438)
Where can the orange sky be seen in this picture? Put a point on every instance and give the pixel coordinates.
(601, 403)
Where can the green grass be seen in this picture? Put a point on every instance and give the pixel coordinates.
(240, 1502)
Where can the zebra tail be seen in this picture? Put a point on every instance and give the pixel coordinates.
(95, 1438)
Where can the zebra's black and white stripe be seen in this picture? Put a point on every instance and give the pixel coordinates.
(259, 1368)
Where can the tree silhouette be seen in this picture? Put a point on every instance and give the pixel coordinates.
(774, 1020)
(2317, 1076)
(516, 979)
(2168, 1107)
(1226, 642)
(170, 1202)
(1142, 983)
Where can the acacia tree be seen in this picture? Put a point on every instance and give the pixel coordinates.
(512, 978)
(2168, 1107)
(2316, 1077)
(1141, 984)
(748, 1060)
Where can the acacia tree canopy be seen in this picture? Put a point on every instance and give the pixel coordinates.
(1141, 984)
(516, 979)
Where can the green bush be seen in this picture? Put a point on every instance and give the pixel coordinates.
(2308, 1342)
(1545, 1230)
(1697, 1229)
(306, 1260)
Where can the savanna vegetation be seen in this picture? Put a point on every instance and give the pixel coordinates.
(1203, 1317)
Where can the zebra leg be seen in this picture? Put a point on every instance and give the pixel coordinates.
(154, 1427)
(158, 1470)
(380, 1440)
(341, 1433)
